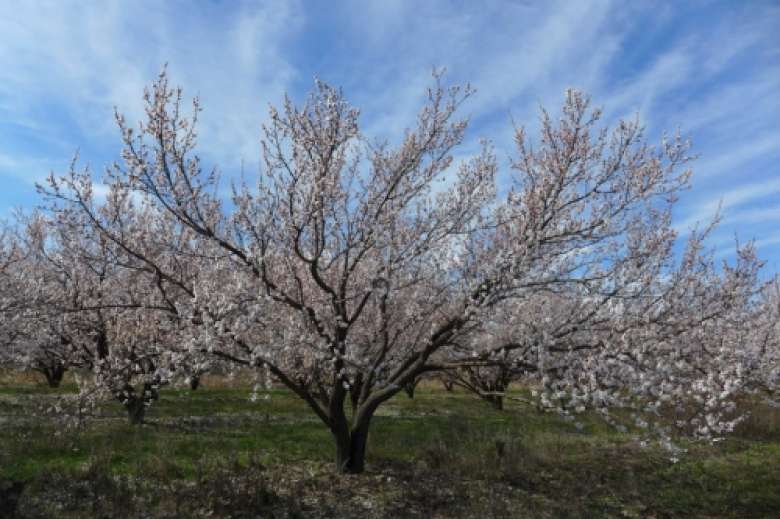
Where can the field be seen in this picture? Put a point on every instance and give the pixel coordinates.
(214, 453)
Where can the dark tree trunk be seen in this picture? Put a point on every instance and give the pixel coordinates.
(495, 392)
(136, 403)
(354, 391)
(351, 440)
(496, 401)
(10, 493)
(135, 410)
(351, 451)
(410, 387)
(53, 375)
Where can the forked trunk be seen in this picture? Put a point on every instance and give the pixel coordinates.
(351, 449)
(53, 375)
(136, 402)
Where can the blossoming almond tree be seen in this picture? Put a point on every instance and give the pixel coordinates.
(665, 351)
(347, 270)
(10, 303)
(42, 341)
(691, 304)
(120, 317)
(761, 337)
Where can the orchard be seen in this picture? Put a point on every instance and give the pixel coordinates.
(349, 271)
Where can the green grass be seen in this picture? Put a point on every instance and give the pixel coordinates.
(445, 454)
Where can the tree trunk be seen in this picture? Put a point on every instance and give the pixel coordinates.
(496, 389)
(354, 391)
(10, 493)
(409, 388)
(136, 402)
(135, 410)
(496, 401)
(53, 375)
(351, 445)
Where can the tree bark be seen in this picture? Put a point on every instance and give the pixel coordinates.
(354, 391)
(10, 493)
(53, 375)
(496, 401)
(351, 450)
(135, 410)
(410, 387)
(495, 389)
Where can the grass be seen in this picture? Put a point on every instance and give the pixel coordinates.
(441, 454)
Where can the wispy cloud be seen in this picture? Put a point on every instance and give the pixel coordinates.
(64, 72)
(734, 158)
(712, 69)
(768, 190)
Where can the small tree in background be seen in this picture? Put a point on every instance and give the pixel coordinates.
(91, 305)
(10, 303)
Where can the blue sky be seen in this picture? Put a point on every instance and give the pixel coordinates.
(710, 68)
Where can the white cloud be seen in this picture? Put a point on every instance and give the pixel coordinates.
(82, 59)
(758, 215)
(735, 158)
(517, 56)
(26, 169)
(736, 197)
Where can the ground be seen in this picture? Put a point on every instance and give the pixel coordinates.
(214, 453)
